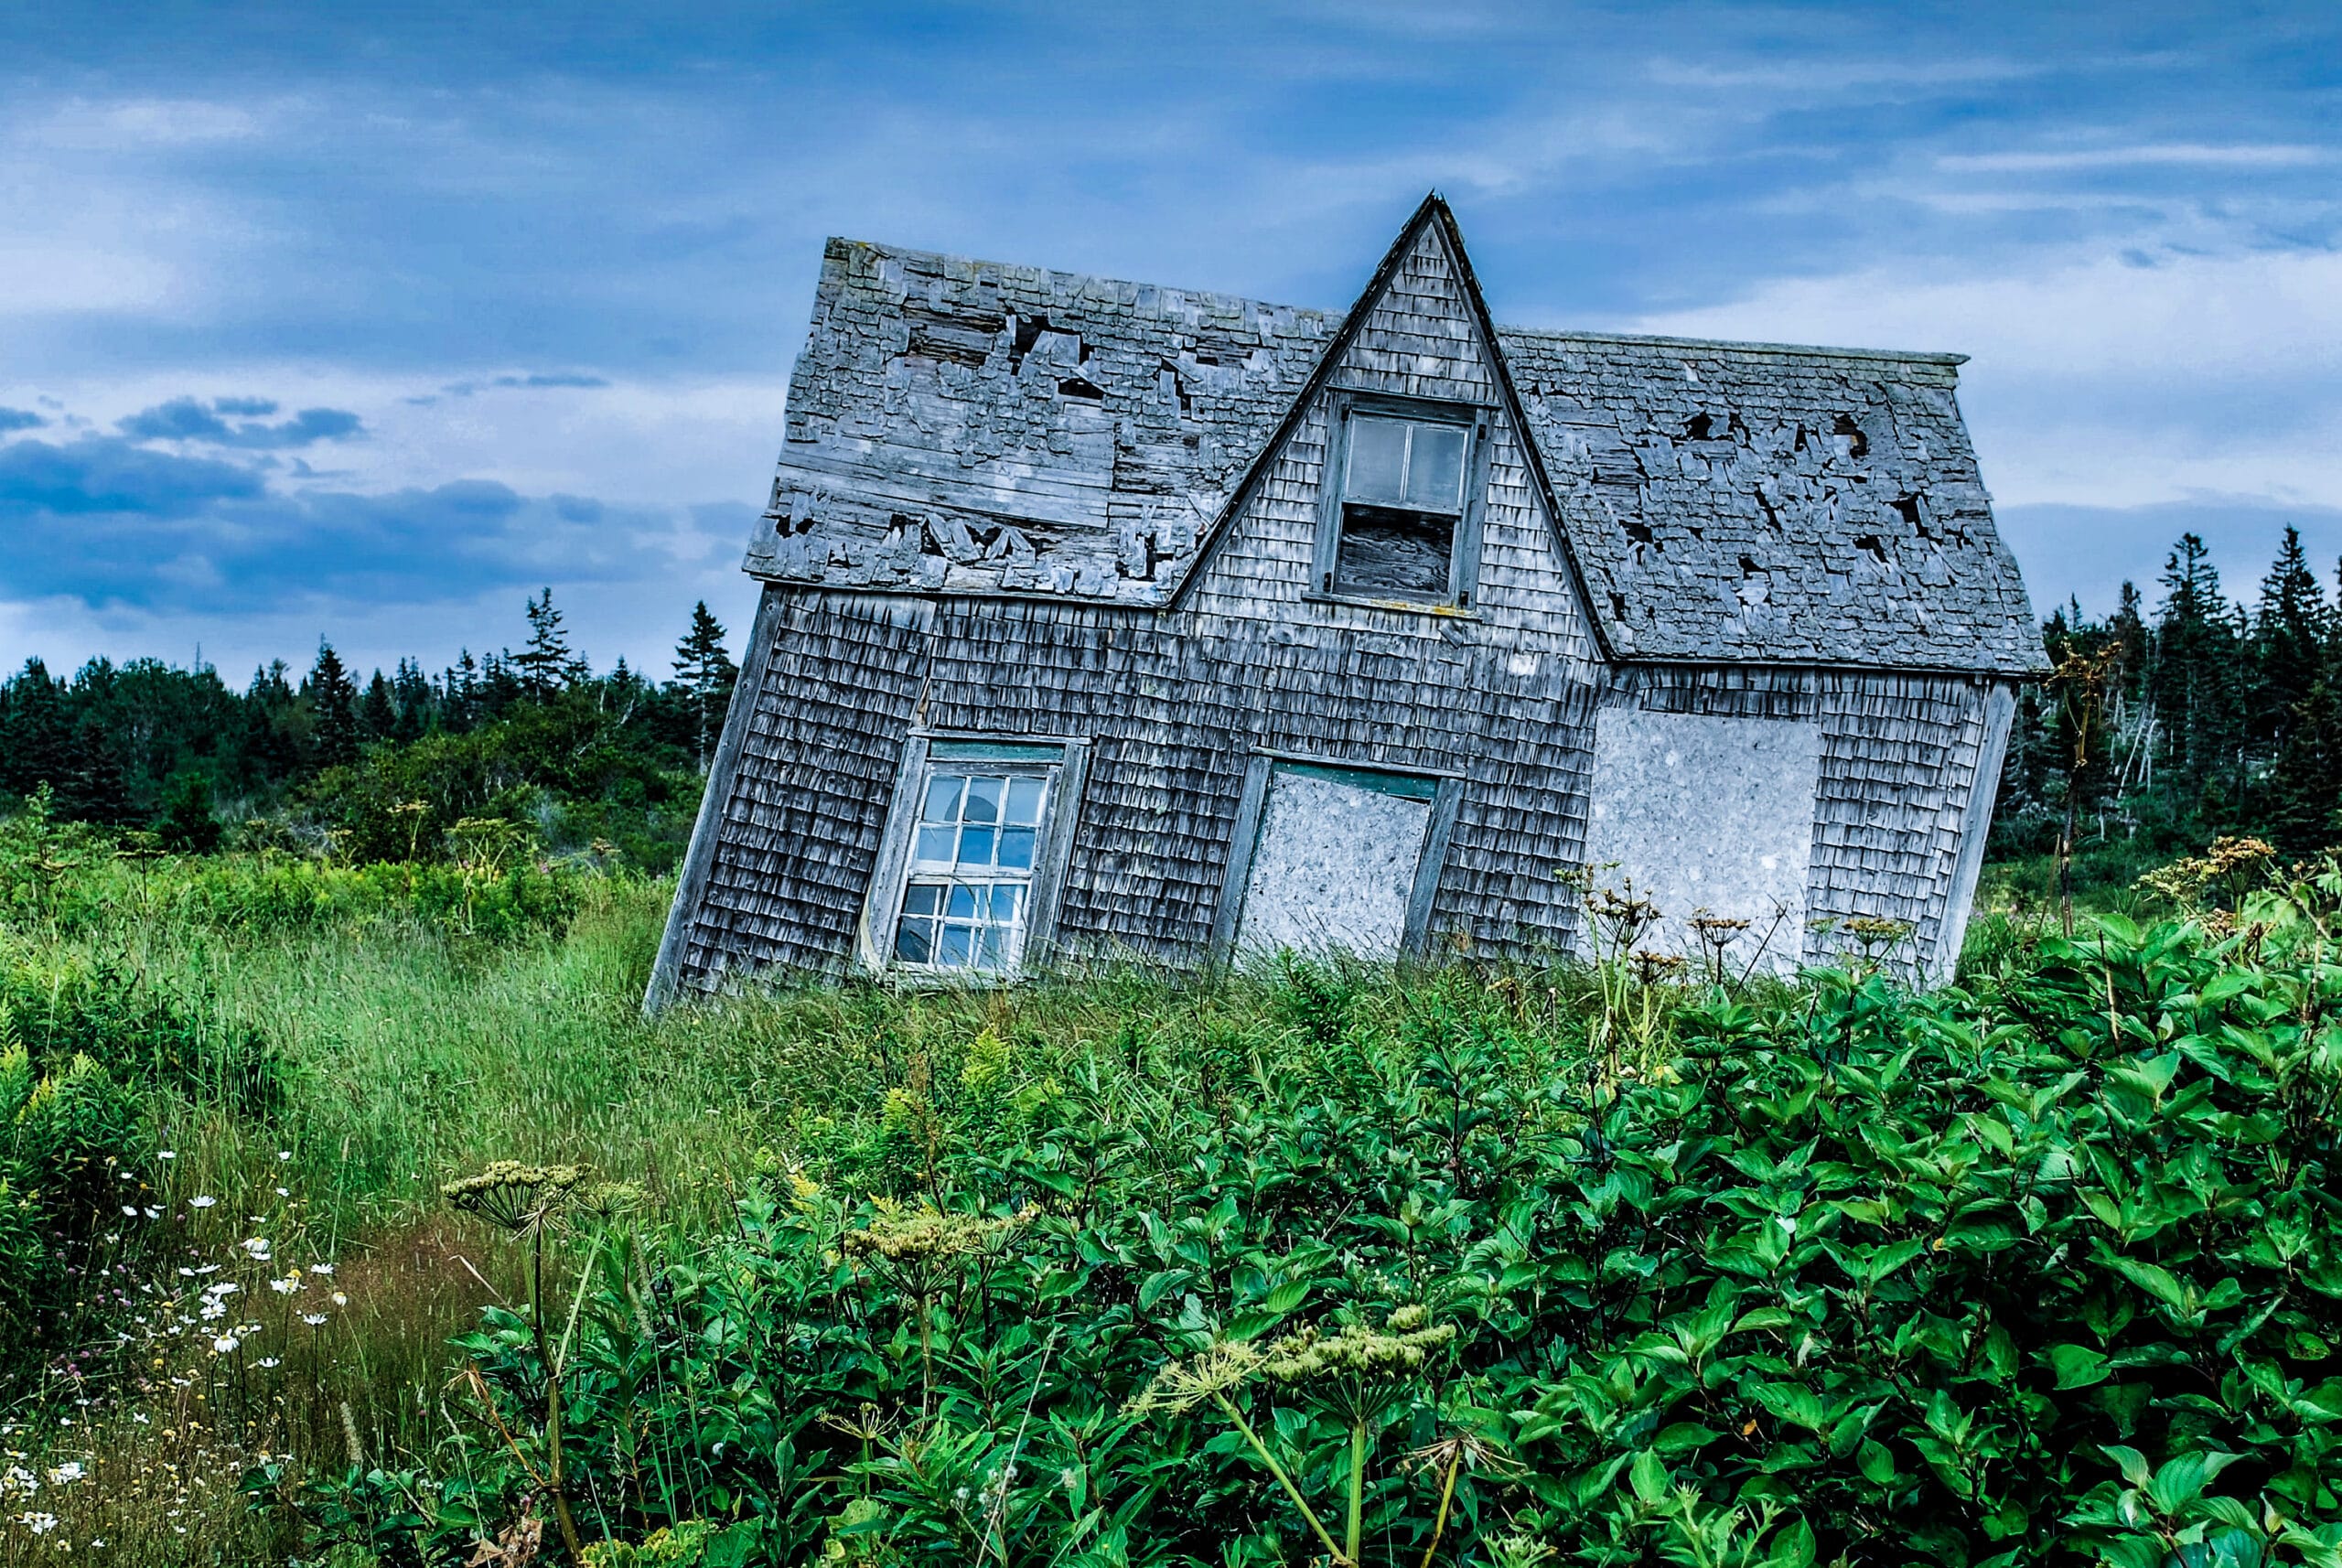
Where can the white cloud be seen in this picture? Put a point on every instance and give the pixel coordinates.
(2186, 155)
(138, 125)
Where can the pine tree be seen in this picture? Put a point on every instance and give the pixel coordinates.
(2290, 634)
(36, 732)
(2305, 789)
(459, 697)
(333, 716)
(378, 716)
(2195, 665)
(546, 665)
(411, 687)
(705, 677)
(187, 824)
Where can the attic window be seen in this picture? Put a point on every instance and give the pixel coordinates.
(1400, 512)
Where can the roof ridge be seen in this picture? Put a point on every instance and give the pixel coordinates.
(1740, 346)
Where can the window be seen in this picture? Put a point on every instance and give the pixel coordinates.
(1401, 518)
(973, 849)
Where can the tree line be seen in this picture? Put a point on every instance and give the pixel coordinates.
(532, 733)
(2163, 726)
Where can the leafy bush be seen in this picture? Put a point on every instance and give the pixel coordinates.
(141, 1034)
(64, 1132)
(2040, 1270)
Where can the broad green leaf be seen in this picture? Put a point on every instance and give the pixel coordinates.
(2077, 1366)
(1649, 1478)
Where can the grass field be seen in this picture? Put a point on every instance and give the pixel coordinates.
(248, 1327)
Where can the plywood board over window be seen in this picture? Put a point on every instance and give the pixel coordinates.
(1701, 814)
(1329, 857)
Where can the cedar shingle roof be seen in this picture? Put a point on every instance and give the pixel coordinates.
(963, 427)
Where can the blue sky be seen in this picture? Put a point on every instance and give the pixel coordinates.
(364, 321)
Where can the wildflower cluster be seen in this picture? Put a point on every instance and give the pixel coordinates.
(899, 1235)
(1356, 1351)
(2231, 864)
(180, 1378)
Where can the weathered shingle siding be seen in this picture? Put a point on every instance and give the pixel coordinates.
(1774, 505)
(1175, 703)
(972, 427)
(1007, 506)
(798, 835)
(1897, 773)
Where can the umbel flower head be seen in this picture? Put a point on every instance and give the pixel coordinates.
(1181, 1386)
(1356, 1352)
(899, 1235)
(515, 1197)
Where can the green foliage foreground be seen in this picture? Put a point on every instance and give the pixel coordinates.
(2042, 1270)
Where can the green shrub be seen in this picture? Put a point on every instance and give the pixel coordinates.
(2038, 1271)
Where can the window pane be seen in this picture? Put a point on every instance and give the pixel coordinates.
(1386, 553)
(919, 898)
(962, 904)
(976, 846)
(935, 845)
(1017, 849)
(914, 941)
(956, 945)
(1007, 901)
(1435, 467)
(995, 952)
(943, 798)
(1378, 460)
(1025, 801)
(983, 799)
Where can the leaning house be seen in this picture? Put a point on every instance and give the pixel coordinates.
(1099, 617)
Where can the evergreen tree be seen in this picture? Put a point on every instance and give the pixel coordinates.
(459, 694)
(705, 677)
(378, 716)
(187, 824)
(411, 687)
(96, 787)
(2195, 665)
(2290, 634)
(272, 729)
(333, 698)
(36, 732)
(2304, 790)
(546, 665)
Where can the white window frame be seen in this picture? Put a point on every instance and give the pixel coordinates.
(1064, 761)
(1345, 407)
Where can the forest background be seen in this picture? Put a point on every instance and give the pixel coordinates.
(2204, 715)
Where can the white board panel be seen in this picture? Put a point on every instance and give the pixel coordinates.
(1333, 868)
(1708, 813)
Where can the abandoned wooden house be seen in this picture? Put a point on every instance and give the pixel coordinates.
(1100, 617)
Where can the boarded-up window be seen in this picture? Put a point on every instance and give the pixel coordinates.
(1710, 814)
(1337, 858)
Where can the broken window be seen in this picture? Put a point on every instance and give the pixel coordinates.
(971, 854)
(1400, 502)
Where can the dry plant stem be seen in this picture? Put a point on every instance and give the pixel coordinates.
(1229, 1410)
(553, 1398)
(1447, 1495)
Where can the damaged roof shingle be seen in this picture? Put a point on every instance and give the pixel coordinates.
(969, 427)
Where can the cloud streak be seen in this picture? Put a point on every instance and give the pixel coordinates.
(189, 419)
